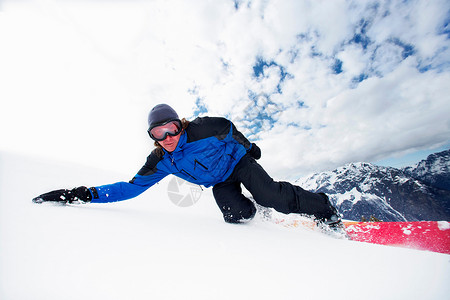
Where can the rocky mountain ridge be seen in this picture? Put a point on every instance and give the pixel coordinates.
(421, 192)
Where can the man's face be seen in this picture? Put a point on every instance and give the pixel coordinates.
(170, 142)
(167, 134)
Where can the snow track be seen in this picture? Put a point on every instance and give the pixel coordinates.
(148, 248)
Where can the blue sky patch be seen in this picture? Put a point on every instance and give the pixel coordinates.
(360, 37)
(200, 108)
(337, 66)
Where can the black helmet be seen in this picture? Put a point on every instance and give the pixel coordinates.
(160, 114)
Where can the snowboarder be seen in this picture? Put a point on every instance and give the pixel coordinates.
(208, 151)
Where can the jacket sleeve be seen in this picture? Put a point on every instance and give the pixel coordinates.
(144, 179)
(240, 138)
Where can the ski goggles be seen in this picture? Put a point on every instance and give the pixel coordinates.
(161, 131)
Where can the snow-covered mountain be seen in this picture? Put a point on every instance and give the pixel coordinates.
(435, 170)
(362, 189)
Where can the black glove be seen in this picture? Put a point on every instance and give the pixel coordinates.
(255, 152)
(63, 196)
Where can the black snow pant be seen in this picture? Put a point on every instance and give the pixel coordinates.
(282, 196)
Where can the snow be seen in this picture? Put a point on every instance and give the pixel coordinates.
(407, 230)
(354, 195)
(443, 225)
(401, 179)
(149, 248)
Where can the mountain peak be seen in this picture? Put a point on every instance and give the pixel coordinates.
(435, 170)
(363, 189)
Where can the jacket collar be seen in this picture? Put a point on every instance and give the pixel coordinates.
(180, 144)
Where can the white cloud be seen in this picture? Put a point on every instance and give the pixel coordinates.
(78, 77)
(354, 60)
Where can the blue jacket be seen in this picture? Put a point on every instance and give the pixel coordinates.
(206, 154)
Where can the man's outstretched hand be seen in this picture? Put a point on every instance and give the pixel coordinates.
(79, 194)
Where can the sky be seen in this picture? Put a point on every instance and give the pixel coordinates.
(316, 84)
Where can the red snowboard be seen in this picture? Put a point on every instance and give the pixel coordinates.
(424, 235)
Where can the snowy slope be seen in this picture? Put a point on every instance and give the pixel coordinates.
(148, 248)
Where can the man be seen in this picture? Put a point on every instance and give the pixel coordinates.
(210, 152)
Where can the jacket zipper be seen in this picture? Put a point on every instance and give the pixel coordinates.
(197, 162)
(187, 173)
(172, 162)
